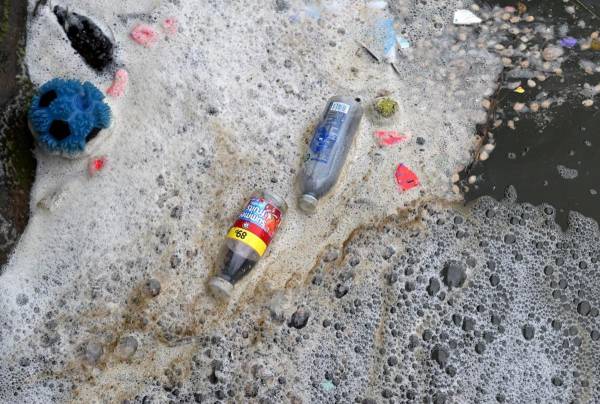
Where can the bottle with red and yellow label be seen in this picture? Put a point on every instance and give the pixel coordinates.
(247, 240)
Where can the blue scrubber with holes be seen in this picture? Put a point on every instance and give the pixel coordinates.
(65, 116)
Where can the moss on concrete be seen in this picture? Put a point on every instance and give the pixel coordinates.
(386, 107)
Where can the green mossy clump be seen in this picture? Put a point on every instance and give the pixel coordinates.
(386, 107)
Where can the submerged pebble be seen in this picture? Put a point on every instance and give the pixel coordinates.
(552, 52)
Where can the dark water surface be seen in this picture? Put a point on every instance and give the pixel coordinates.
(567, 134)
(17, 165)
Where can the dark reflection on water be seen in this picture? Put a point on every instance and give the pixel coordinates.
(17, 165)
(528, 157)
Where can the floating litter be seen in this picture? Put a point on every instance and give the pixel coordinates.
(465, 17)
(519, 90)
(313, 11)
(369, 51)
(170, 26)
(568, 42)
(86, 37)
(327, 385)
(389, 137)
(66, 115)
(117, 89)
(144, 35)
(380, 40)
(386, 28)
(96, 164)
(405, 178)
(402, 42)
(56, 198)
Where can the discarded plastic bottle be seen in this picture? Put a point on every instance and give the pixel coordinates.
(87, 38)
(247, 240)
(328, 149)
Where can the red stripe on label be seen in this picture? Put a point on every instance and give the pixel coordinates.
(256, 230)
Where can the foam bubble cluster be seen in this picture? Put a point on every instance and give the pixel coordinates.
(422, 306)
(418, 308)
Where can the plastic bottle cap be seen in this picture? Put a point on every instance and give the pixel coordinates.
(278, 200)
(308, 203)
(220, 288)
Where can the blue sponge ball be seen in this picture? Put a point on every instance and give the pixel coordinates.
(65, 115)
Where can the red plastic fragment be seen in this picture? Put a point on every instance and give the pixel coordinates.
(96, 164)
(405, 178)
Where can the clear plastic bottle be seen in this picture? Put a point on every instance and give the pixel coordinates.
(247, 240)
(328, 149)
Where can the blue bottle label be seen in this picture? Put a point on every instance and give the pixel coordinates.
(327, 132)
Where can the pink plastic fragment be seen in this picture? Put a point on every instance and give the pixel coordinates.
(389, 137)
(144, 35)
(170, 26)
(405, 178)
(119, 83)
(96, 164)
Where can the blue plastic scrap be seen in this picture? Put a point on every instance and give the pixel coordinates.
(386, 34)
(402, 42)
(327, 385)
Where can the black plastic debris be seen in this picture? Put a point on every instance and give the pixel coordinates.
(86, 38)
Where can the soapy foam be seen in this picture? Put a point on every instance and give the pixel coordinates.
(374, 329)
(211, 114)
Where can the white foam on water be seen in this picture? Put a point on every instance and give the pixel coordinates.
(222, 108)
